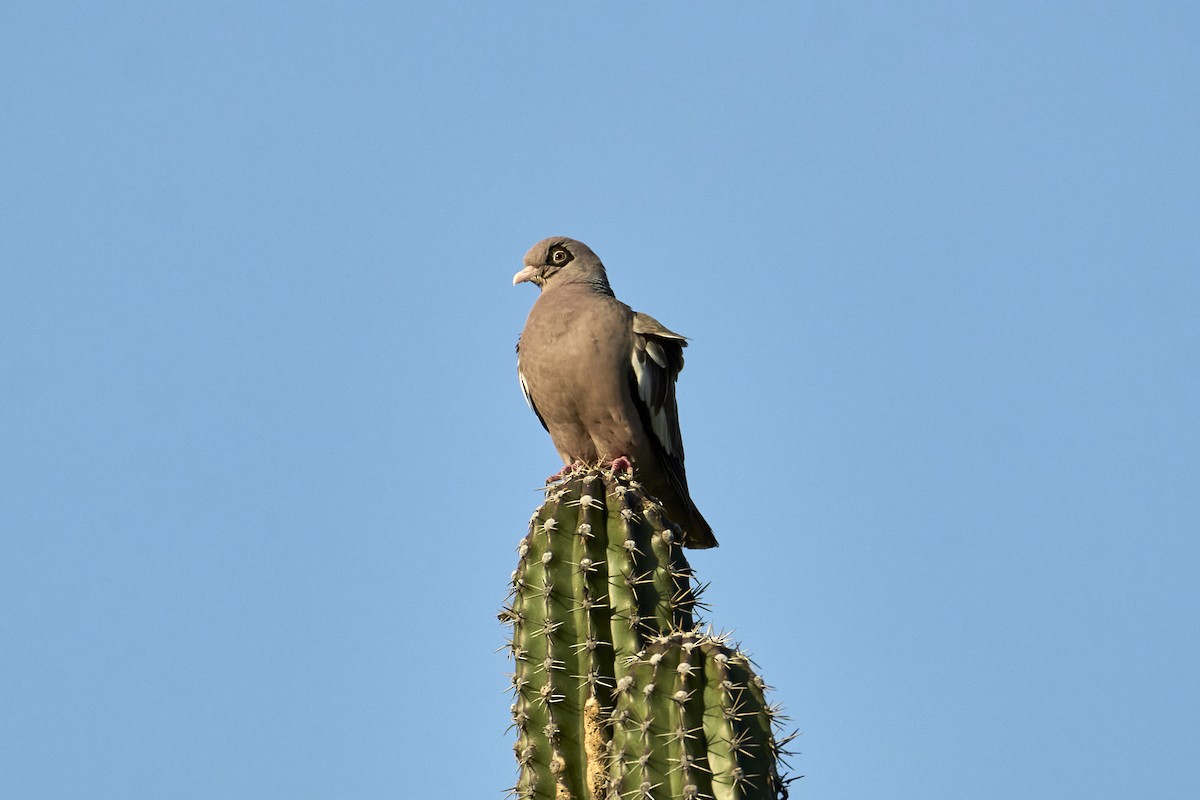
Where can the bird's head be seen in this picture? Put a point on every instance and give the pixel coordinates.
(562, 260)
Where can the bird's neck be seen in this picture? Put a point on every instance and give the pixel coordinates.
(596, 284)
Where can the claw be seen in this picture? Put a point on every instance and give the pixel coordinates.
(564, 472)
(622, 464)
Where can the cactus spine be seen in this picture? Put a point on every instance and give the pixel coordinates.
(691, 719)
(616, 693)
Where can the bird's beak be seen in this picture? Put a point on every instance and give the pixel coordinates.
(526, 274)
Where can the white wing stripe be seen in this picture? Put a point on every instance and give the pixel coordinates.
(644, 374)
(525, 391)
(657, 353)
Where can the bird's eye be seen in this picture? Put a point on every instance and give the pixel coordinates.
(559, 256)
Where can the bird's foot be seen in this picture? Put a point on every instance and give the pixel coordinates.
(622, 464)
(565, 472)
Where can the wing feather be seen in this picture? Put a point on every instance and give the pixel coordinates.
(525, 389)
(657, 358)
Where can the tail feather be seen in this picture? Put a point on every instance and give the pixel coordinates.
(697, 534)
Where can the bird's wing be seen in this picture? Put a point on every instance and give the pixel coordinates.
(525, 388)
(657, 358)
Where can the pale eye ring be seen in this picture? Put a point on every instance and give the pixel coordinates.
(560, 256)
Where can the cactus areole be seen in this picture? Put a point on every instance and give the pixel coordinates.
(616, 692)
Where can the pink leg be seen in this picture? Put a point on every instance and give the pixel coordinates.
(622, 464)
(564, 472)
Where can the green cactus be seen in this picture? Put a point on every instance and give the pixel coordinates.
(602, 598)
(691, 722)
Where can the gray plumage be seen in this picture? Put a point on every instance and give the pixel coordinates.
(601, 377)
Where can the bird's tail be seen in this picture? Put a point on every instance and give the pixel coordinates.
(696, 531)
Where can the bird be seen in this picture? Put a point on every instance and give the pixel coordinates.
(601, 378)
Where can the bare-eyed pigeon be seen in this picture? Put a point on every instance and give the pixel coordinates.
(601, 377)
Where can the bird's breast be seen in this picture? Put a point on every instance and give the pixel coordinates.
(575, 350)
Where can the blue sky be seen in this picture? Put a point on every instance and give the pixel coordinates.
(265, 459)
